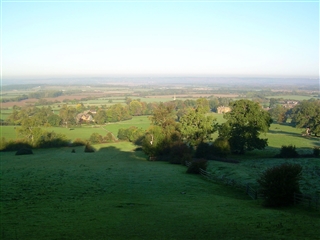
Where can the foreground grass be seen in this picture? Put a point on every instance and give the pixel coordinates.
(115, 193)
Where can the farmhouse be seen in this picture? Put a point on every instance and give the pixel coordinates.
(290, 104)
(85, 116)
(223, 109)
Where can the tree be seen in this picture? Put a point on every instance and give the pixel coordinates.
(135, 108)
(273, 102)
(37, 137)
(100, 117)
(245, 122)
(203, 103)
(67, 115)
(307, 115)
(54, 120)
(214, 104)
(279, 114)
(196, 127)
(164, 130)
(163, 115)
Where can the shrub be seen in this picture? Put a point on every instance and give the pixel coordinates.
(316, 151)
(180, 153)
(109, 138)
(15, 145)
(3, 143)
(95, 138)
(203, 150)
(278, 184)
(132, 134)
(138, 149)
(24, 151)
(221, 147)
(88, 148)
(288, 152)
(196, 165)
(78, 142)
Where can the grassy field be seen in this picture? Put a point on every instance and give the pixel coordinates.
(115, 193)
(5, 113)
(253, 163)
(8, 132)
(292, 97)
(85, 131)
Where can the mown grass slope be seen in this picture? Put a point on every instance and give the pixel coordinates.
(115, 193)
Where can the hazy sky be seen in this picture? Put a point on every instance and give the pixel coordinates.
(235, 38)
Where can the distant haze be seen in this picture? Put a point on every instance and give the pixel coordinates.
(275, 83)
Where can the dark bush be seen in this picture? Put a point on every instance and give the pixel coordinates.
(24, 151)
(88, 148)
(203, 150)
(278, 184)
(196, 165)
(180, 153)
(55, 142)
(15, 145)
(78, 142)
(221, 147)
(288, 152)
(316, 151)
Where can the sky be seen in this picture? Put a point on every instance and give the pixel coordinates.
(159, 38)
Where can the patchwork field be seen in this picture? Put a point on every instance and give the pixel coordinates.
(115, 193)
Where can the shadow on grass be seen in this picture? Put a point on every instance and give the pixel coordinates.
(286, 133)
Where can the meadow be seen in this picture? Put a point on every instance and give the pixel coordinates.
(293, 97)
(84, 131)
(115, 193)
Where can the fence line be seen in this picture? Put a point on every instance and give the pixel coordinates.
(251, 192)
(309, 200)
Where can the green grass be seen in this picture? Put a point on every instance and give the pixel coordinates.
(85, 131)
(103, 101)
(5, 113)
(292, 97)
(139, 121)
(8, 132)
(115, 193)
(279, 135)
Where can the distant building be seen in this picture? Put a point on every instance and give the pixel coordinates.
(85, 116)
(223, 109)
(290, 104)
